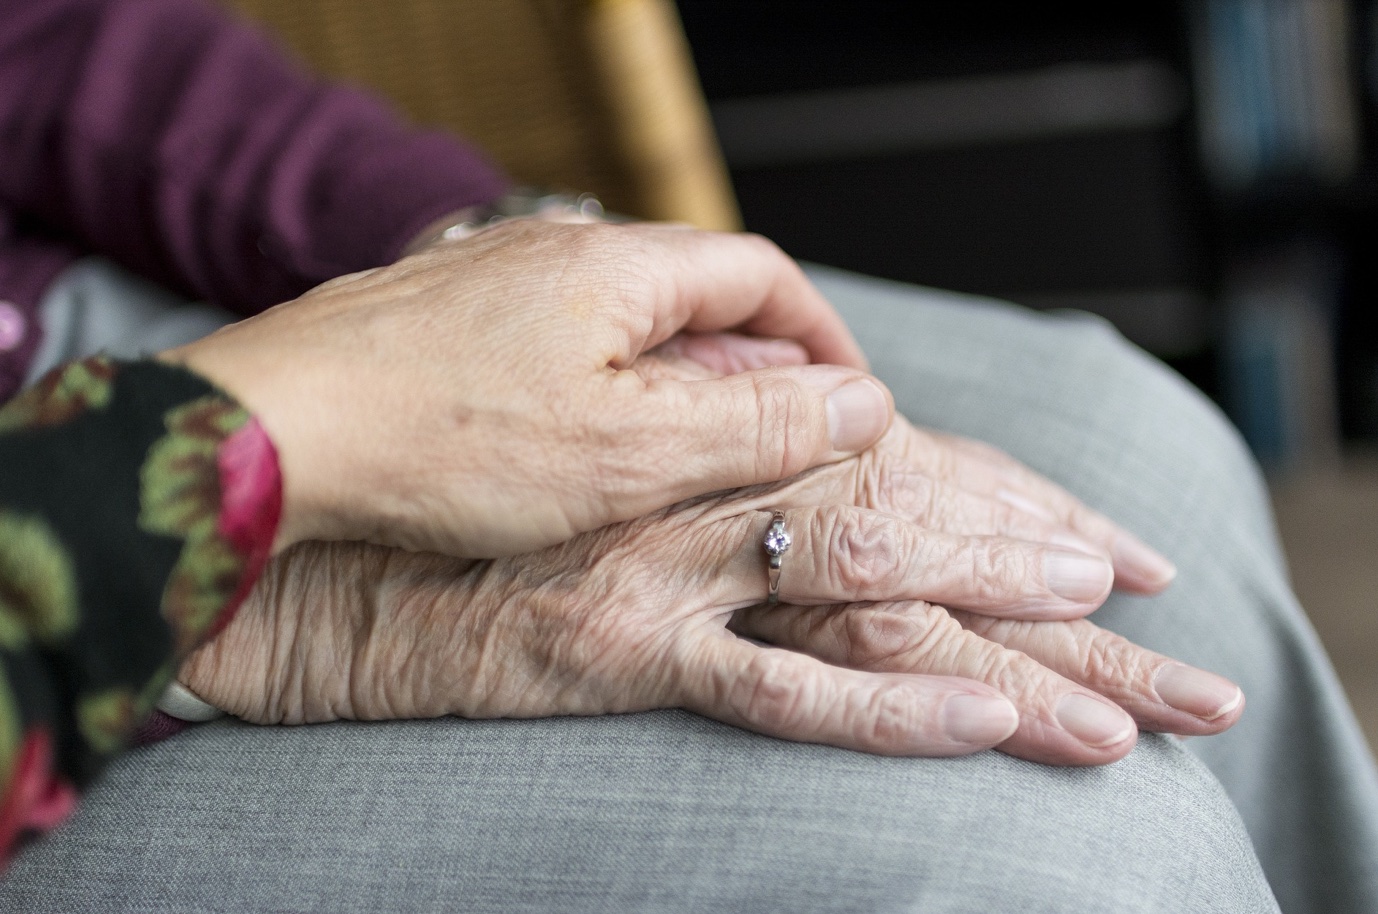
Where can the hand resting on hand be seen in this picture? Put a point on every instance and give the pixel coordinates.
(473, 399)
(920, 617)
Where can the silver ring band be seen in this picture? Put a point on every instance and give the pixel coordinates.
(776, 543)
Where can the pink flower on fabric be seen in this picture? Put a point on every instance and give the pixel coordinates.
(250, 504)
(36, 800)
(250, 489)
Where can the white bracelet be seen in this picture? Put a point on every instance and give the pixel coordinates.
(182, 703)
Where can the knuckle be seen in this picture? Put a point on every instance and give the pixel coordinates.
(887, 485)
(939, 644)
(1026, 683)
(1108, 658)
(863, 554)
(768, 695)
(964, 653)
(891, 717)
(941, 506)
(997, 567)
(785, 427)
(1007, 518)
(877, 637)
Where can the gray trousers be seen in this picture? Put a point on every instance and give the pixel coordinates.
(667, 811)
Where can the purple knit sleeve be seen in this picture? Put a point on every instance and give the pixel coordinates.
(190, 147)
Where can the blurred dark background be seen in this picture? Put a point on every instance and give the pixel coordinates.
(1201, 174)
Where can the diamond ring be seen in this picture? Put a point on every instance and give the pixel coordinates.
(776, 543)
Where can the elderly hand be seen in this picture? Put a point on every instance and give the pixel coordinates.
(939, 481)
(473, 399)
(636, 616)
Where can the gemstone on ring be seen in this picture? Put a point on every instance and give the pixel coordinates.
(777, 541)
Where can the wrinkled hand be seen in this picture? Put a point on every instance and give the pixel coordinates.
(939, 481)
(958, 486)
(474, 399)
(636, 616)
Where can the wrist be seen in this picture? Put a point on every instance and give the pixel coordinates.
(275, 448)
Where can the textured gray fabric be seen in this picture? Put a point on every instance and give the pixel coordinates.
(650, 812)
(669, 812)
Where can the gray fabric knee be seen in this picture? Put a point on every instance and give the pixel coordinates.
(663, 811)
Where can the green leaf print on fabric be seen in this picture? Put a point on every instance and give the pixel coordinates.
(174, 513)
(38, 583)
(61, 395)
(105, 719)
(206, 575)
(180, 496)
(11, 734)
(180, 480)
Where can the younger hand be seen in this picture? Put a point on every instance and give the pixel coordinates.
(474, 399)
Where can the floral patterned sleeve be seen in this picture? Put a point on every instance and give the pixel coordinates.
(138, 505)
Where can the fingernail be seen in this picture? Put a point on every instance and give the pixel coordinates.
(980, 719)
(858, 413)
(1130, 552)
(1197, 692)
(1076, 575)
(1095, 723)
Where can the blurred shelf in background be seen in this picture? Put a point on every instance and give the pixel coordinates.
(1200, 174)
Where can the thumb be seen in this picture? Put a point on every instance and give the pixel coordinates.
(753, 427)
(783, 420)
